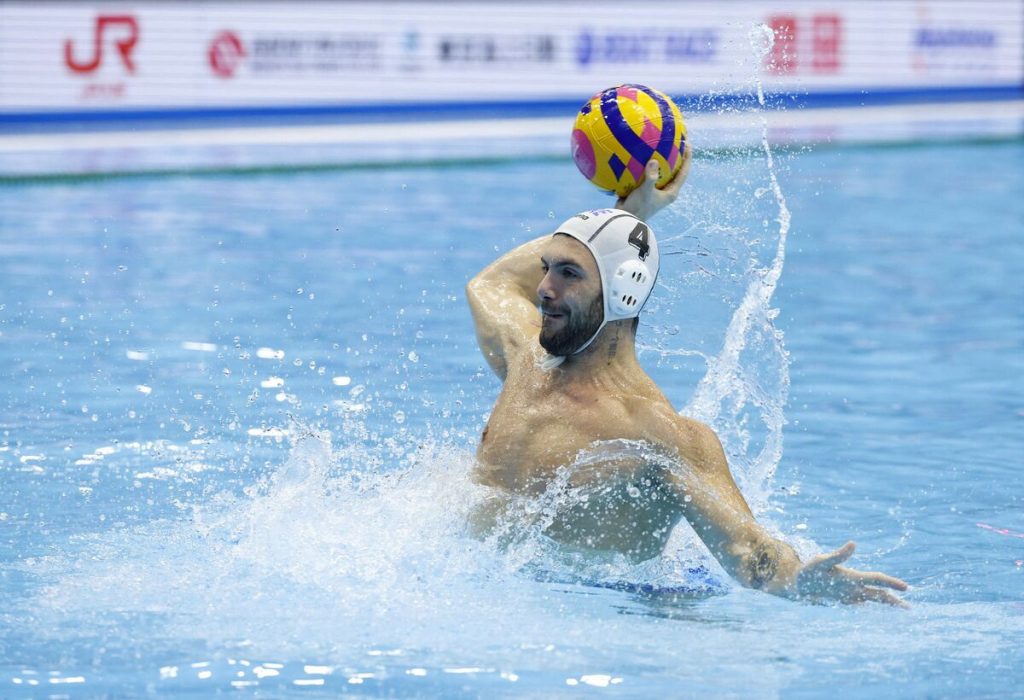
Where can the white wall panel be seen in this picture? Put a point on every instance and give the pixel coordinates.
(80, 56)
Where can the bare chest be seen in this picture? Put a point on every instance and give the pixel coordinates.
(537, 426)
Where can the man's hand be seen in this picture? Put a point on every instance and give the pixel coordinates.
(647, 200)
(822, 579)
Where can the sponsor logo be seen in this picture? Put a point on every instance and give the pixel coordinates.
(496, 49)
(324, 53)
(805, 44)
(954, 49)
(409, 60)
(292, 54)
(955, 38)
(226, 54)
(646, 46)
(119, 31)
(123, 30)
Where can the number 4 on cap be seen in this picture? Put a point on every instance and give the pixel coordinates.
(639, 238)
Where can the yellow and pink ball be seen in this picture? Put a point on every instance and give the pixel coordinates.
(620, 129)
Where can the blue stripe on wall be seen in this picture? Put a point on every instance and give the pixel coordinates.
(185, 116)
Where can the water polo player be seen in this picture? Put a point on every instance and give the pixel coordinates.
(572, 384)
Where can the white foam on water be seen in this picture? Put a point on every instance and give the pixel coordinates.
(198, 346)
(334, 551)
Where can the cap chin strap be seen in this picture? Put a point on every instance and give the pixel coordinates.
(586, 345)
(549, 361)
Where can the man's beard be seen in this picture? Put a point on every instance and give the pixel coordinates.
(579, 328)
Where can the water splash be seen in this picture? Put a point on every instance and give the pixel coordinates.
(602, 522)
(332, 554)
(731, 382)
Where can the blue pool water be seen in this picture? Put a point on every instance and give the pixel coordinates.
(239, 413)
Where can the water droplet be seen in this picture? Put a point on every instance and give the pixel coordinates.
(399, 417)
(413, 357)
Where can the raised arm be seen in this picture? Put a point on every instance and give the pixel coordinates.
(503, 300)
(503, 296)
(715, 507)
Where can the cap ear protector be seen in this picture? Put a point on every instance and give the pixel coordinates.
(626, 254)
(629, 288)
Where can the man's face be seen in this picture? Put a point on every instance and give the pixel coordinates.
(571, 302)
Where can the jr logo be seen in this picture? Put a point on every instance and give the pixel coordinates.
(127, 28)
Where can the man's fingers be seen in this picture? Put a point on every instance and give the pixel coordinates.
(672, 187)
(823, 576)
(877, 595)
(877, 578)
(827, 561)
(647, 200)
(652, 171)
(687, 158)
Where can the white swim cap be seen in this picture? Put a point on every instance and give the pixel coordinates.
(627, 259)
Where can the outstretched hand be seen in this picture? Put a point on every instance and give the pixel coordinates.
(647, 200)
(823, 579)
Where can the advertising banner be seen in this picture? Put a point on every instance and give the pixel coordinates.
(372, 58)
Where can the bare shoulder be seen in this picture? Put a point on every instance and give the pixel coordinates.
(694, 441)
(700, 444)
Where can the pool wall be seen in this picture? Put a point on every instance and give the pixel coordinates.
(83, 64)
(88, 89)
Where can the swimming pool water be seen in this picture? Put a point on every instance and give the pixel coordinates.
(239, 413)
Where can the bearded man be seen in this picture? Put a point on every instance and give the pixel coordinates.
(556, 319)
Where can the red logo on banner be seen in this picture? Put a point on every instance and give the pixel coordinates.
(814, 44)
(125, 43)
(826, 35)
(782, 58)
(226, 54)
